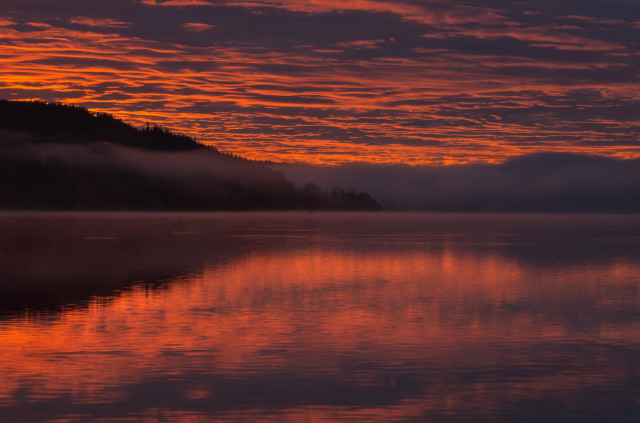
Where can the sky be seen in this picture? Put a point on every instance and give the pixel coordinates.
(420, 82)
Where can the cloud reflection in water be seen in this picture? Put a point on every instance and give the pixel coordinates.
(330, 317)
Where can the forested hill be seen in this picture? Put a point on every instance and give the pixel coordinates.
(60, 157)
(62, 123)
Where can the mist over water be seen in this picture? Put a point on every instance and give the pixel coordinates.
(535, 183)
(321, 317)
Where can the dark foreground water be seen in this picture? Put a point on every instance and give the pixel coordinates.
(319, 318)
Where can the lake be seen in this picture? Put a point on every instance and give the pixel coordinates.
(389, 317)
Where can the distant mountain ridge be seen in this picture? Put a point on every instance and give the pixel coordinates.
(63, 157)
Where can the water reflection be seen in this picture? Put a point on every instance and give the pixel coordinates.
(292, 317)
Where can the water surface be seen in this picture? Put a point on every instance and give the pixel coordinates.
(319, 317)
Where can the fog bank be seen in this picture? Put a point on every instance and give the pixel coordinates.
(106, 176)
(549, 182)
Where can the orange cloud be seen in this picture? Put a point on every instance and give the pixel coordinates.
(195, 26)
(99, 22)
(470, 86)
(178, 3)
(361, 44)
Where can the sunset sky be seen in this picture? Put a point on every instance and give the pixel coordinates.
(329, 82)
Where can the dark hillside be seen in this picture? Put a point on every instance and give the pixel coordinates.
(61, 123)
(59, 157)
